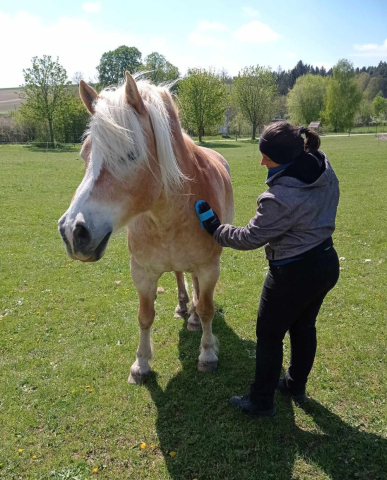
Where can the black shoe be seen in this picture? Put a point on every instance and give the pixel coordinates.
(299, 399)
(247, 406)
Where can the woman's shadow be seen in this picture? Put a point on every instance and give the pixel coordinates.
(214, 441)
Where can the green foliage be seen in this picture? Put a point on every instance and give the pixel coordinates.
(374, 87)
(343, 97)
(202, 98)
(69, 333)
(71, 120)
(44, 91)
(160, 70)
(307, 98)
(253, 93)
(380, 107)
(113, 64)
(365, 111)
(363, 79)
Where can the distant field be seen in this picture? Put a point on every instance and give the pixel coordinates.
(69, 333)
(9, 99)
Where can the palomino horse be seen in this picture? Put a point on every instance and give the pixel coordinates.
(144, 173)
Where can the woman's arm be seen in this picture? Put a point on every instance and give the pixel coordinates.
(273, 218)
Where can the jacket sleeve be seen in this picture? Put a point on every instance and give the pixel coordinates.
(273, 219)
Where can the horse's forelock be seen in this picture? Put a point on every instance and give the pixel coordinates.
(119, 137)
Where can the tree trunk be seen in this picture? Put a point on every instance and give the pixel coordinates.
(201, 132)
(254, 131)
(51, 131)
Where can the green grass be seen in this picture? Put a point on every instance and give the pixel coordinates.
(69, 335)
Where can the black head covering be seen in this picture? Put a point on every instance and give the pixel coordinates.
(287, 150)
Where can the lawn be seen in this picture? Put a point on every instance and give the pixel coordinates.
(69, 335)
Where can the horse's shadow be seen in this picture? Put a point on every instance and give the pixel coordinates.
(214, 441)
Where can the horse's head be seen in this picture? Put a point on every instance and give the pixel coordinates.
(129, 163)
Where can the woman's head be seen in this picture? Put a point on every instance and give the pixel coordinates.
(282, 142)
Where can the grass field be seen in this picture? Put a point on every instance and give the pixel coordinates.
(69, 335)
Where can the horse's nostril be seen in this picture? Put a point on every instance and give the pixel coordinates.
(81, 235)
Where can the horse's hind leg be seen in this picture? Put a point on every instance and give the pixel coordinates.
(146, 285)
(208, 360)
(182, 296)
(194, 320)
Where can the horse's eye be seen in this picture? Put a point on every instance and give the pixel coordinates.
(131, 156)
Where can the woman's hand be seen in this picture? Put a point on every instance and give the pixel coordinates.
(209, 220)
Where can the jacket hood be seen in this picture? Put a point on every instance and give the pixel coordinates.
(310, 170)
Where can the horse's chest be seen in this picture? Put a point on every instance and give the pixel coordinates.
(162, 252)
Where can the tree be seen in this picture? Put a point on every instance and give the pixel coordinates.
(364, 112)
(202, 97)
(253, 92)
(160, 70)
(77, 77)
(380, 107)
(343, 97)
(114, 63)
(374, 87)
(363, 79)
(44, 89)
(307, 98)
(71, 119)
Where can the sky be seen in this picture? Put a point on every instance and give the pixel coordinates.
(205, 33)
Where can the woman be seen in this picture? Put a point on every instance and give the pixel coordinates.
(295, 220)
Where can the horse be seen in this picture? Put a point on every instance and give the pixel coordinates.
(144, 173)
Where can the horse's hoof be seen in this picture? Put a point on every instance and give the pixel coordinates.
(138, 375)
(137, 379)
(207, 366)
(194, 326)
(181, 313)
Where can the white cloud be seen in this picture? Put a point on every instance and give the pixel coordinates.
(255, 32)
(92, 7)
(250, 12)
(209, 34)
(371, 50)
(77, 42)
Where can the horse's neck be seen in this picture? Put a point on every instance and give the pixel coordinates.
(183, 146)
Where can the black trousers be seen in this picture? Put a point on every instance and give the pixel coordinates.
(291, 299)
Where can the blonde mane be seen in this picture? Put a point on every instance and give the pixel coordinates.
(118, 137)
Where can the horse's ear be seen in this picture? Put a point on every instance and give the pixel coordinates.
(88, 96)
(133, 96)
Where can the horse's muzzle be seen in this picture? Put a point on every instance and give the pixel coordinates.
(83, 247)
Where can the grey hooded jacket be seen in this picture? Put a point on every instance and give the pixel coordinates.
(292, 216)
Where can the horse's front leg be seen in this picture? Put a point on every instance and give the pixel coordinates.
(146, 286)
(208, 360)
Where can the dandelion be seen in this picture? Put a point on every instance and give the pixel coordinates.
(172, 454)
(95, 470)
(20, 450)
(34, 457)
(143, 445)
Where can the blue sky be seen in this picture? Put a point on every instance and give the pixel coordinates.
(223, 34)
